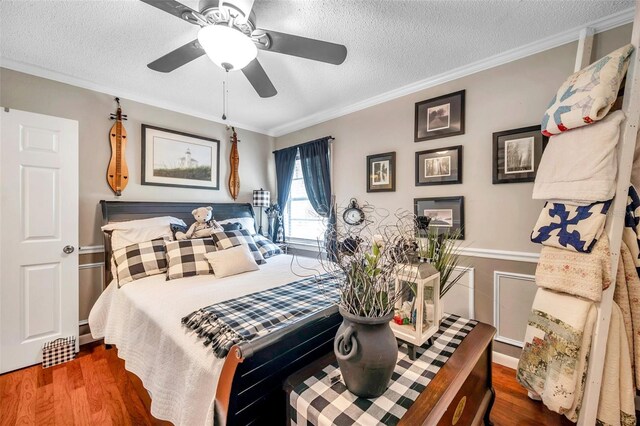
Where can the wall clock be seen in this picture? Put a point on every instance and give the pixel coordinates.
(353, 215)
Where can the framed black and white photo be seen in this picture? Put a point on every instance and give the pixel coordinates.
(381, 172)
(446, 213)
(439, 166)
(440, 117)
(171, 158)
(517, 154)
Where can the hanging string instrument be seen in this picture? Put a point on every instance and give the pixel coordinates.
(234, 161)
(118, 171)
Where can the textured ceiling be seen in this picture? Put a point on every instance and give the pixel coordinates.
(390, 44)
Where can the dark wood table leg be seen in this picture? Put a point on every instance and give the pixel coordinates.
(411, 350)
(487, 414)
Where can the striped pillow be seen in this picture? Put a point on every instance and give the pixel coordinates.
(140, 260)
(266, 246)
(185, 258)
(228, 239)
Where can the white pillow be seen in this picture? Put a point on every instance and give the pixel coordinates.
(247, 223)
(142, 223)
(126, 237)
(232, 261)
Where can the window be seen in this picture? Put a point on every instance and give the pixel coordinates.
(301, 222)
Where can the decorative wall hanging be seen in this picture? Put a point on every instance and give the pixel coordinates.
(446, 214)
(381, 172)
(517, 154)
(439, 166)
(234, 162)
(118, 171)
(440, 117)
(172, 158)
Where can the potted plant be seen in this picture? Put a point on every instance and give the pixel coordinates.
(441, 251)
(367, 265)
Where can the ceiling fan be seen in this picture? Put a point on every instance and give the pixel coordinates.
(230, 38)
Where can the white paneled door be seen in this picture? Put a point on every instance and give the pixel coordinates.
(38, 234)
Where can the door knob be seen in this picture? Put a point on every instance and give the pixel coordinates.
(68, 249)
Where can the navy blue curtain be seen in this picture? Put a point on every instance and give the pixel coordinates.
(285, 163)
(314, 159)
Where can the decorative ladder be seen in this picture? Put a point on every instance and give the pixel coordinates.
(615, 219)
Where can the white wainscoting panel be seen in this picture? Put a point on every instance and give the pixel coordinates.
(460, 299)
(512, 300)
(91, 276)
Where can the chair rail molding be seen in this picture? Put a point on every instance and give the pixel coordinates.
(91, 249)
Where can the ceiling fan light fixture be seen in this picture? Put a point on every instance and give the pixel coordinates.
(227, 47)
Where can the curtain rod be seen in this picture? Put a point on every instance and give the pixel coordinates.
(330, 138)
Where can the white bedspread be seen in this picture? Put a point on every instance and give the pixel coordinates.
(143, 320)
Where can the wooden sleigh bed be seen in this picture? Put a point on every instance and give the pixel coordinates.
(250, 388)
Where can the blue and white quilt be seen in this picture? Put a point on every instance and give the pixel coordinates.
(575, 228)
(631, 234)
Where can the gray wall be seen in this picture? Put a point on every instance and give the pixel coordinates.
(91, 109)
(498, 217)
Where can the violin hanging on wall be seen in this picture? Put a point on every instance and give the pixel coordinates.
(234, 161)
(118, 171)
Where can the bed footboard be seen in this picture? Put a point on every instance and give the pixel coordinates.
(250, 386)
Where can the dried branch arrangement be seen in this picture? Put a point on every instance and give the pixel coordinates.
(367, 258)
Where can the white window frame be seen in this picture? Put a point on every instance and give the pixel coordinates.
(303, 242)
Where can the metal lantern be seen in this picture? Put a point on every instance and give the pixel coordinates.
(418, 311)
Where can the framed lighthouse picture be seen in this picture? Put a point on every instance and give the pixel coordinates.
(172, 158)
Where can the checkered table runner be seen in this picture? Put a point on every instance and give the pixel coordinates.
(323, 399)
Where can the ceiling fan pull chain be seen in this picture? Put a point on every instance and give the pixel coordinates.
(224, 97)
(225, 94)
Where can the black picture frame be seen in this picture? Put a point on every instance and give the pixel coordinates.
(449, 162)
(453, 104)
(448, 205)
(528, 163)
(386, 181)
(171, 181)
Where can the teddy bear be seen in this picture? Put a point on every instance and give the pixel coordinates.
(202, 227)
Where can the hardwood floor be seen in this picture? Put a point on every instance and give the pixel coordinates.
(95, 389)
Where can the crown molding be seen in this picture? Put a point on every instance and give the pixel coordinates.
(123, 94)
(600, 25)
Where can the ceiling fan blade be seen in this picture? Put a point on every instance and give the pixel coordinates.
(303, 47)
(177, 9)
(259, 79)
(178, 57)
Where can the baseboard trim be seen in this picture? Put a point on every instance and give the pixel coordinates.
(505, 360)
(87, 338)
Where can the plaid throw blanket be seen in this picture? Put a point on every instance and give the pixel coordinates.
(224, 324)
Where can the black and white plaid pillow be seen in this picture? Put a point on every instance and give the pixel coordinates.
(266, 246)
(228, 239)
(140, 260)
(186, 258)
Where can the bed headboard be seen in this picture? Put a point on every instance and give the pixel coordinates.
(120, 211)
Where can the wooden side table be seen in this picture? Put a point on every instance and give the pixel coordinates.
(460, 393)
